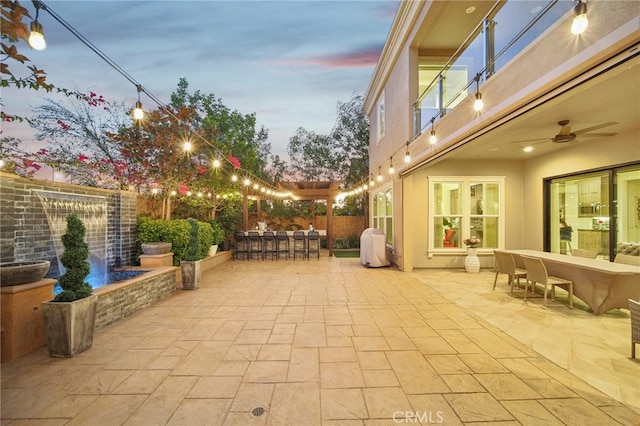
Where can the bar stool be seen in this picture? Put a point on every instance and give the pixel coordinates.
(242, 246)
(282, 244)
(255, 244)
(299, 244)
(313, 243)
(269, 245)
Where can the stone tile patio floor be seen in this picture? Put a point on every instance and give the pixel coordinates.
(331, 342)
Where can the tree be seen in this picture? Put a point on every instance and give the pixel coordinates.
(351, 133)
(313, 156)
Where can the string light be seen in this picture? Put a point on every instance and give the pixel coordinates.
(407, 156)
(379, 175)
(432, 136)
(478, 104)
(36, 35)
(580, 21)
(391, 169)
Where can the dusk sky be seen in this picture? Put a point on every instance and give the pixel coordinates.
(290, 62)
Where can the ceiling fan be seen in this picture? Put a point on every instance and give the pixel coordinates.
(566, 135)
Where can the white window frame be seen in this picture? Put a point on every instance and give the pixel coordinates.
(381, 217)
(467, 182)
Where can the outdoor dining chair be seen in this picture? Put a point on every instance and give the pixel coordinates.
(505, 264)
(313, 243)
(299, 244)
(282, 244)
(242, 245)
(269, 245)
(255, 244)
(537, 273)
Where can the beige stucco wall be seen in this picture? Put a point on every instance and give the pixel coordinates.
(539, 68)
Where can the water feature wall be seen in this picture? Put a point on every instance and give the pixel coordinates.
(92, 211)
(25, 233)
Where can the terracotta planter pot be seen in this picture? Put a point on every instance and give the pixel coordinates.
(70, 326)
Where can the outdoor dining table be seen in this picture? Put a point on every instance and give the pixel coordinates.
(602, 285)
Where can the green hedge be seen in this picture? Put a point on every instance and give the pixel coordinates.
(177, 233)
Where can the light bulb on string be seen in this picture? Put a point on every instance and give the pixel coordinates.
(391, 169)
(36, 34)
(407, 156)
(216, 163)
(432, 137)
(478, 104)
(138, 112)
(580, 21)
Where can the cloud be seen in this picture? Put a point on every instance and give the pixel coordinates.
(357, 58)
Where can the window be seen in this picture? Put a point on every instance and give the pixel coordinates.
(381, 118)
(463, 207)
(594, 211)
(383, 213)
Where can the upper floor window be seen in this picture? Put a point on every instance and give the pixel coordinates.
(381, 118)
(463, 207)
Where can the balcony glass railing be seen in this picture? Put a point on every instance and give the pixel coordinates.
(504, 32)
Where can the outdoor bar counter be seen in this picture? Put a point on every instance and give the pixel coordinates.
(602, 285)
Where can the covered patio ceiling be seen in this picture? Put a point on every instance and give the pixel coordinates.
(311, 190)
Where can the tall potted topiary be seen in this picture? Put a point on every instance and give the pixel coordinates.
(70, 317)
(190, 267)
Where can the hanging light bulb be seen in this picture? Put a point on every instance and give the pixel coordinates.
(216, 163)
(407, 156)
(478, 104)
(379, 175)
(371, 181)
(234, 178)
(36, 36)
(138, 112)
(187, 146)
(391, 169)
(246, 182)
(580, 21)
(432, 136)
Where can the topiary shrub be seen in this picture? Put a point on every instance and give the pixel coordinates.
(193, 246)
(74, 259)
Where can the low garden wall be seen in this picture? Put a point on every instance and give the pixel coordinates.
(119, 300)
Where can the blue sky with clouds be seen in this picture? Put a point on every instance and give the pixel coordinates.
(290, 62)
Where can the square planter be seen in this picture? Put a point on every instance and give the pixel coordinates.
(70, 326)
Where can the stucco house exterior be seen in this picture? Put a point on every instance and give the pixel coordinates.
(573, 100)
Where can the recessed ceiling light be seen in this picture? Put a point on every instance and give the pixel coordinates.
(527, 149)
(470, 9)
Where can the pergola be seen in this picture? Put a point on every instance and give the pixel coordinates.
(318, 190)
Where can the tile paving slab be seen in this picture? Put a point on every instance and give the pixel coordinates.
(329, 342)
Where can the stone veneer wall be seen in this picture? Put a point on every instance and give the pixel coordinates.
(24, 230)
(116, 301)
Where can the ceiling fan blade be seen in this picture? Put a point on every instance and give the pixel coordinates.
(531, 140)
(591, 135)
(599, 126)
